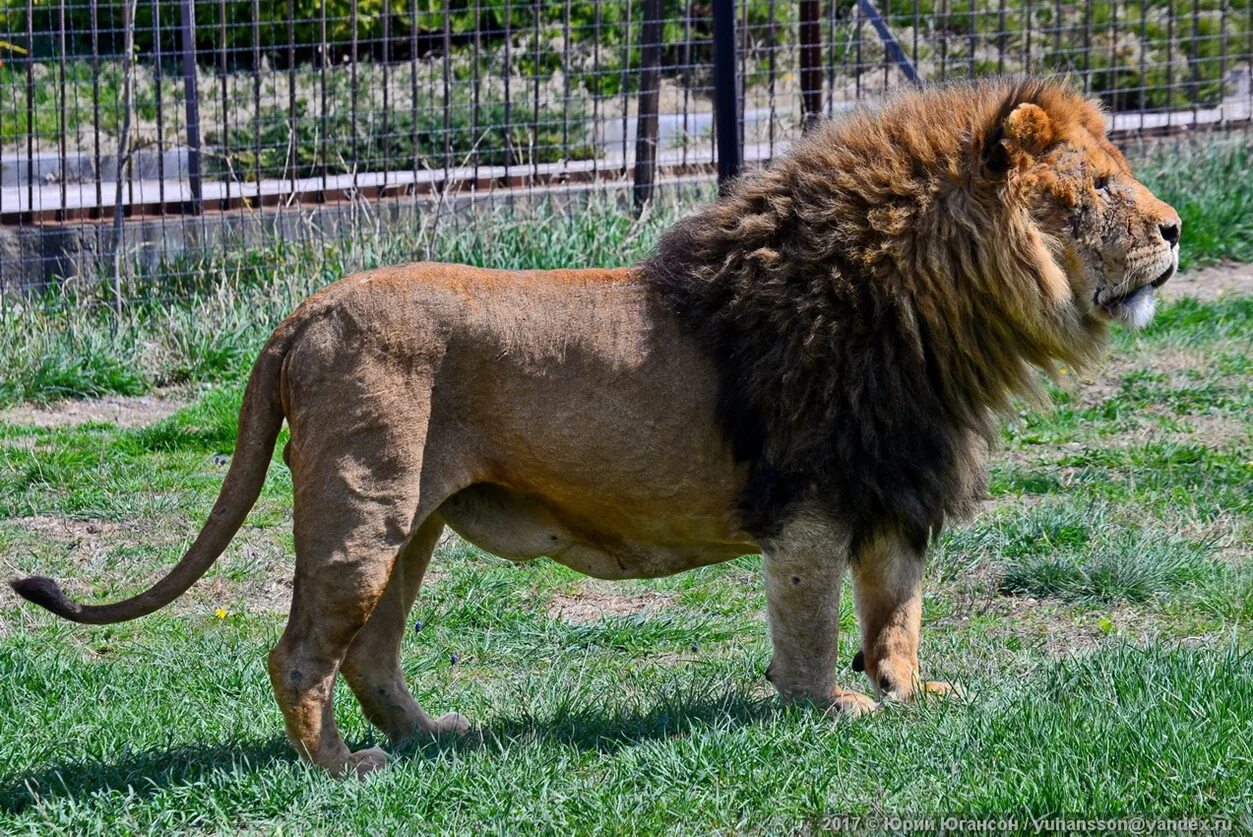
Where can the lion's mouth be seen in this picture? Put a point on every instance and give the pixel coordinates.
(1136, 307)
(1115, 304)
(1165, 275)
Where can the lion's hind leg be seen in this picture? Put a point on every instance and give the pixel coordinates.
(372, 666)
(339, 579)
(356, 481)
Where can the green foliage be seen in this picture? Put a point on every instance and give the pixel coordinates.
(340, 144)
(232, 25)
(1143, 54)
(597, 42)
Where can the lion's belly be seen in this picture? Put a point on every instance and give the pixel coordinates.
(520, 527)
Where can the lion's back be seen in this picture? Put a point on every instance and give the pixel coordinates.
(592, 330)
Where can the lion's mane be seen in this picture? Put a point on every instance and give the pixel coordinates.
(870, 299)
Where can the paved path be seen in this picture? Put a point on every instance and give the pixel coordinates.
(150, 195)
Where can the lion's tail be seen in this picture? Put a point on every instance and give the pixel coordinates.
(260, 419)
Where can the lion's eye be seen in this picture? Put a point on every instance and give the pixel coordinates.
(1101, 183)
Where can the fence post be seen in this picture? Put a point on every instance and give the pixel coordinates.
(646, 121)
(187, 21)
(811, 62)
(123, 151)
(890, 44)
(726, 91)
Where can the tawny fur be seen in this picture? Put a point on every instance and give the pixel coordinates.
(807, 368)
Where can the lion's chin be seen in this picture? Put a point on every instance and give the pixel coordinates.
(1135, 310)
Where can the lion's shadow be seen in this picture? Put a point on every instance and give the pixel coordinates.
(141, 773)
(145, 773)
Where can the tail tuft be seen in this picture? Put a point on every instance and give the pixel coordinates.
(46, 593)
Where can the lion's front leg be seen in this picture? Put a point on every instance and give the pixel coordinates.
(887, 584)
(804, 568)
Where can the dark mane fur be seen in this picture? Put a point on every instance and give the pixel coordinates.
(869, 303)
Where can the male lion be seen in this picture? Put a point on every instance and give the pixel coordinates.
(808, 368)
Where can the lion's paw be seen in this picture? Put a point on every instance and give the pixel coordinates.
(453, 722)
(850, 704)
(364, 762)
(940, 689)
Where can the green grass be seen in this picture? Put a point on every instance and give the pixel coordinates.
(1208, 184)
(1097, 614)
(570, 749)
(1083, 554)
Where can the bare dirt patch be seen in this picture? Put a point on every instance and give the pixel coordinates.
(119, 410)
(1055, 627)
(67, 528)
(254, 574)
(84, 542)
(266, 588)
(1105, 381)
(1209, 283)
(591, 605)
(1215, 431)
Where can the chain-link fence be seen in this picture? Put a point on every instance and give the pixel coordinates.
(138, 135)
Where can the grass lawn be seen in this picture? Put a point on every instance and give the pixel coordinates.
(1097, 613)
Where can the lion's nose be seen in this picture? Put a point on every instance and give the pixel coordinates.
(1170, 232)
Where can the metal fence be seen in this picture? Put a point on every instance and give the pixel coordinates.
(137, 133)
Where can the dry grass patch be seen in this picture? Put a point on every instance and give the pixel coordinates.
(1207, 284)
(119, 410)
(591, 603)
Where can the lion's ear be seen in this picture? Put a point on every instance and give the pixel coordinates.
(995, 154)
(1027, 128)
(1030, 128)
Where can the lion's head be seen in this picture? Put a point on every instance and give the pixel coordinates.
(872, 296)
(1113, 240)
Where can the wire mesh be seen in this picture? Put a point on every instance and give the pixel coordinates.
(139, 138)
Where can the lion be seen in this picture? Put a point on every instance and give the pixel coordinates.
(810, 368)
